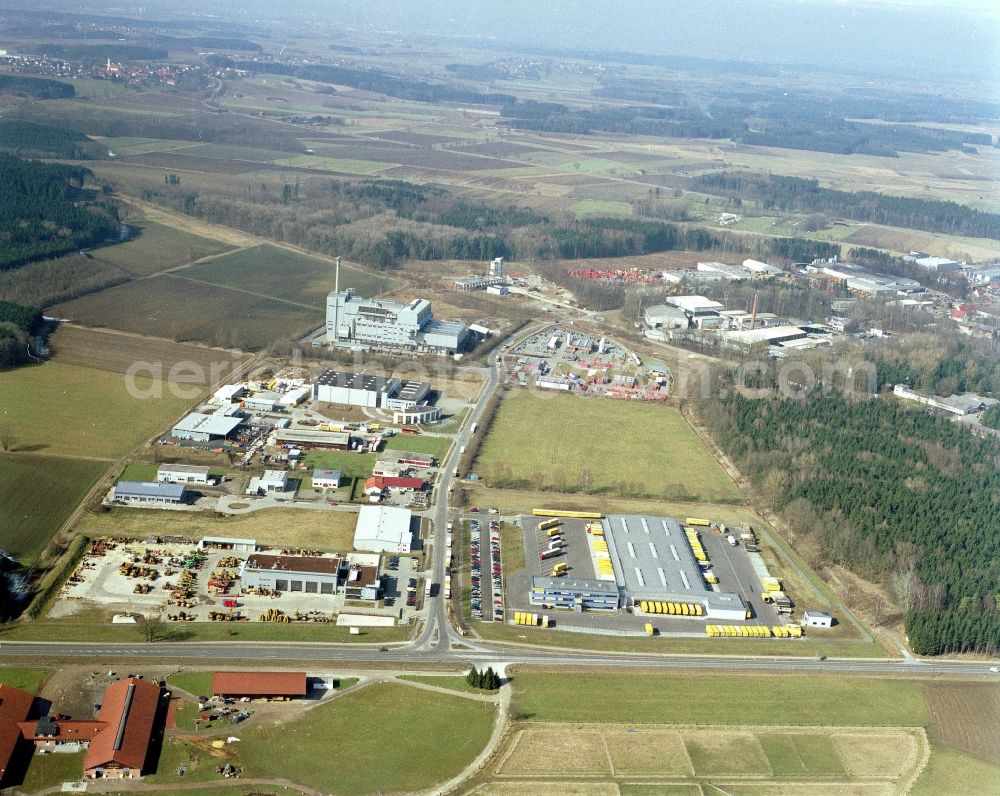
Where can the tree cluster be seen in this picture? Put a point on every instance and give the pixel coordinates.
(29, 137)
(487, 679)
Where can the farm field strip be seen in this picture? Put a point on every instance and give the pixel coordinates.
(573, 438)
(738, 754)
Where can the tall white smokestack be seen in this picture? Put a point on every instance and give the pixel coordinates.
(336, 280)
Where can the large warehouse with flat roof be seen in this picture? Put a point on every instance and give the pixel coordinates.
(204, 428)
(383, 529)
(653, 561)
(361, 389)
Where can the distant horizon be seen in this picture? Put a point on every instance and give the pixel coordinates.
(945, 40)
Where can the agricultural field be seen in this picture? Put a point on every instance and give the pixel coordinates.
(595, 207)
(154, 247)
(118, 352)
(572, 439)
(283, 274)
(87, 413)
(315, 529)
(363, 762)
(187, 311)
(37, 494)
(661, 758)
(826, 700)
(433, 446)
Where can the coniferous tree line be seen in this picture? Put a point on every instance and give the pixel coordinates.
(487, 679)
(774, 192)
(41, 214)
(890, 492)
(28, 137)
(36, 87)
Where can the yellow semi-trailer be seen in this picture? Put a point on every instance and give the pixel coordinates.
(697, 521)
(582, 515)
(544, 526)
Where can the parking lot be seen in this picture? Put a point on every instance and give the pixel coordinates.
(177, 582)
(486, 574)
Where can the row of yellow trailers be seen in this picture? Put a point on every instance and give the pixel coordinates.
(528, 618)
(674, 609)
(582, 515)
(695, 543)
(753, 631)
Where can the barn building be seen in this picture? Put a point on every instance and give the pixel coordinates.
(130, 711)
(260, 685)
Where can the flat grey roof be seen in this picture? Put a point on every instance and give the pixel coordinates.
(412, 388)
(191, 469)
(312, 435)
(444, 327)
(216, 425)
(653, 560)
(149, 489)
(357, 381)
(603, 588)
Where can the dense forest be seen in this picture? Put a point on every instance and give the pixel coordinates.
(888, 491)
(773, 192)
(991, 417)
(36, 87)
(383, 223)
(29, 137)
(938, 362)
(41, 214)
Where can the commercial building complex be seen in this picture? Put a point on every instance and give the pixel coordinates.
(865, 282)
(205, 428)
(376, 323)
(653, 561)
(376, 392)
(182, 474)
(148, 493)
(383, 529)
(960, 405)
(308, 574)
(575, 594)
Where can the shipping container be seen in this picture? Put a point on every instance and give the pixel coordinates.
(548, 554)
(697, 521)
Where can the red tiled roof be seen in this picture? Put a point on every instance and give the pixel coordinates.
(129, 708)
(69, 730)
(259, 684)
(403, 483)
(15, 705)
(375, 482)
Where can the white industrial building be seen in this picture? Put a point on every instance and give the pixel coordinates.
(264, 401)
(307, 574)
(383, 529)
(375, 392)
(228, 393)
(271, 482)
(865, 282)
(761, 270)
(662, 316)
(200, 427)
(148, 493)
(228, 543)
(937, 265)
(182, 474)
(817, 619)
(326, 479)
(376, 323)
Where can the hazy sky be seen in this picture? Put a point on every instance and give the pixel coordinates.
(944, 38)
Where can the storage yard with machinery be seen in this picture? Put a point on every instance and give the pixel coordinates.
(235, 580)
(637, 574)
